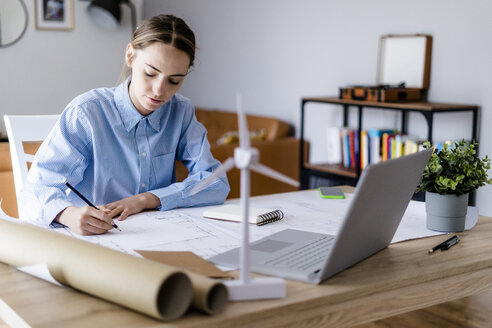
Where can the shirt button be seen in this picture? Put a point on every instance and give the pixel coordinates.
(143, 184)
(144, 154)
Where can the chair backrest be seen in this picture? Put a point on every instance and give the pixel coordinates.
(20, 129)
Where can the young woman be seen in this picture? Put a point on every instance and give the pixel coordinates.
(117, 146)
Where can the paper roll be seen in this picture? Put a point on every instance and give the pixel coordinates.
(209, 295)
(152, 288)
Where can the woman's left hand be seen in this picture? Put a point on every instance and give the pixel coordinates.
(131, 205)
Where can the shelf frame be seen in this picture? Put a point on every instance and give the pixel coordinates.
(427, 109)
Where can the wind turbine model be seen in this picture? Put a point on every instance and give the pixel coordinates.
(246, 158)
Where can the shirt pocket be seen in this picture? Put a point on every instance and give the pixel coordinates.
(163, 166)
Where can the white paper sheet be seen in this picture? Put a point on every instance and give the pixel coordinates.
(145, 230)
(306, 210)
(39, 271)
(186, 229)
(413, 224)
(214, 239)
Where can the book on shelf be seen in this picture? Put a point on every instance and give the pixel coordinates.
(397, 145)
(344, 135)
(350, 146)
(409, 147)
(388, 146)
(364, 149)
(374, 148)
(334, 145)
(356, 156)
(391, 146)
(375, 145)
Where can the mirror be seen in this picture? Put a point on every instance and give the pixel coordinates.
(405, 58)
(13, 21)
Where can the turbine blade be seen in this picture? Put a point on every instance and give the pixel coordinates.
(226, 166)
(242, 124)
(265, 170)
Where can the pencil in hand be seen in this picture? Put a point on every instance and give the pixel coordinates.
(86, 200)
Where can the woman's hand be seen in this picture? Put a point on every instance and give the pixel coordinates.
(132, 205)
(86, 220)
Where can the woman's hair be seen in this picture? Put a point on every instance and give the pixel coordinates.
(168, 29)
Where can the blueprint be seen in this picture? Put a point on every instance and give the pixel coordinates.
(186, 230)
(165, 231)
(306, 210)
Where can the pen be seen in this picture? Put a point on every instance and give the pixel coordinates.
(445, 244)
(86, 200)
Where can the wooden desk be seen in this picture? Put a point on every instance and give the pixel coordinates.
(398, 279)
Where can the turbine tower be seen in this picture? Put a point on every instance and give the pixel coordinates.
(246, 159)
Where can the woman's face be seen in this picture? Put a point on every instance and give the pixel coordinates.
(158, 71)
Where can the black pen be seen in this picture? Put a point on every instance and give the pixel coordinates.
(85, 200)
(445, 244)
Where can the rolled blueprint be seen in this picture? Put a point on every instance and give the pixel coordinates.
(152, 288)
(209, 295)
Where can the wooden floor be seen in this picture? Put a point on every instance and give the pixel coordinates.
(469, 312)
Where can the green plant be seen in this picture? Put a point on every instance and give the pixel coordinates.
(456, 169)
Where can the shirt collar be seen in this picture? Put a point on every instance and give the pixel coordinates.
(129, 114)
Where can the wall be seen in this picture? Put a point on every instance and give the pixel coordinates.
(275, 52)
(45, 70)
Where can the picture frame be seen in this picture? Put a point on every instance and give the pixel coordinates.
(55, 15)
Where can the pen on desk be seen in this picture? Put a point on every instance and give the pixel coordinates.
(450, 242)
(445, 244)
(86, 200)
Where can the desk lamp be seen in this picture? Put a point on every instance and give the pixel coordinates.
(107, 13)
(246, 158)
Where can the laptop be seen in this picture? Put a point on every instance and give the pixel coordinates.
(380, 200)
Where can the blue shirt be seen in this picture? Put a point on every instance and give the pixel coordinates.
(108, 151)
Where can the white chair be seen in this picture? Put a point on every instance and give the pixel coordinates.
(20, 129)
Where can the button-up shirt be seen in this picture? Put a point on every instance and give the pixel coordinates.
(107, 150)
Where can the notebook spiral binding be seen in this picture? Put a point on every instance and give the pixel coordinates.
(270, 217)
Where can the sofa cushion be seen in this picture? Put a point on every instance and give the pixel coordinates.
(232, 137)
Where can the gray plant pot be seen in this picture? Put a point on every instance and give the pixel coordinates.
(446, 213)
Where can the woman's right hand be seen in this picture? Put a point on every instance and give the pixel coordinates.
(85, 220)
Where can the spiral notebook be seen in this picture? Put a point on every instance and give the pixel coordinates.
(231, 212)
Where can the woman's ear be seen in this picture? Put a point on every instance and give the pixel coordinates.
(129, 55)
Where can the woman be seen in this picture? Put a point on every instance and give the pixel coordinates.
(117, 146)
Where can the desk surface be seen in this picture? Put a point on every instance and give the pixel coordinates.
(400, 278)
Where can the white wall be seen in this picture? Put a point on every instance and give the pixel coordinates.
(277, 51)
(44, 70)
(274, 52)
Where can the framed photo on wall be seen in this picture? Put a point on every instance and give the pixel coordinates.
(54, 14)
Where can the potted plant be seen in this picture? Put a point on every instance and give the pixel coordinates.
(449, 177)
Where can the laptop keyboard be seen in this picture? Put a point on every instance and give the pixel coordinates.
(306, 256)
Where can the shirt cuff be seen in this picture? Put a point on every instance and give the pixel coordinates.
(170, 198)
(52, 209)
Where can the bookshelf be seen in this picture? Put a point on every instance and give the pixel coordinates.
(427, 109)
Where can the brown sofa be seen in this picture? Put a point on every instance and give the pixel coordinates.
(279, 150)
(7, 189)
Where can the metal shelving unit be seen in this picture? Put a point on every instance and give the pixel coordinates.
(427, 109)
